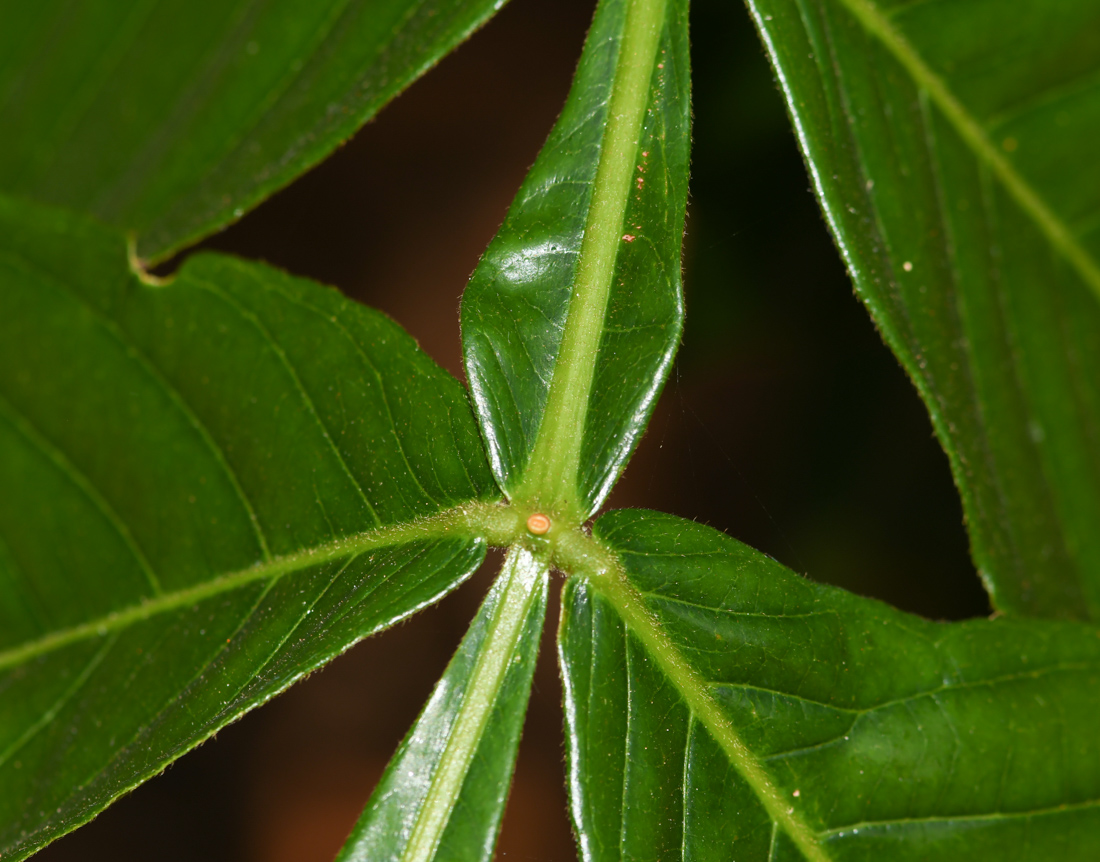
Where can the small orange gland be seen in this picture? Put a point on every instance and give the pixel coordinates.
(538, 524)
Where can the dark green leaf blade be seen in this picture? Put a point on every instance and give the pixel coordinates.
(598, 223)
(172, 118)
(206, 490)
(760, 716)
(442, 796)
(953, 148)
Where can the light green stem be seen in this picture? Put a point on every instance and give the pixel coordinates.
(523, 573)
(551, 478)
(498, 525)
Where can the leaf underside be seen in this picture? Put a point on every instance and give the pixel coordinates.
(170, 118)
(891, 737)
(217, 486)
(517, 307)
(403, 805)
(952, 145)
(171, 459)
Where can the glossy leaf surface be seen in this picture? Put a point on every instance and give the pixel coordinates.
(761, 716)
(172, 118)
(209, 489)
(442, 796)
(953, 146)
(571, 319)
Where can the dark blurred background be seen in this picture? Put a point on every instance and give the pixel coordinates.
(786, 422)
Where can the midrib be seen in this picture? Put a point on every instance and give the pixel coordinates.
(612, 582)
(551, 477)
(524, 574)
(971, 131)
(475, 521)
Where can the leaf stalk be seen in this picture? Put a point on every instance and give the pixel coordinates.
(523, 572)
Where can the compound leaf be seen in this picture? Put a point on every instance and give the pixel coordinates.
(953, 146)
(208, 489)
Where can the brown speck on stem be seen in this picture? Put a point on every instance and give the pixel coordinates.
(628, 237)
(538, 524)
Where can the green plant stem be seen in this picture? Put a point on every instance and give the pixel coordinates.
(523, 572)
(551, 478)
(488, 521)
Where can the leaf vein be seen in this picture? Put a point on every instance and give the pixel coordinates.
(26, 429)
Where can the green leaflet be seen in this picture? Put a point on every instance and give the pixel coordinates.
(442, 796)
(209, 489)
(171, 118)
(953, 148)
(572, 317)
(745, 712)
